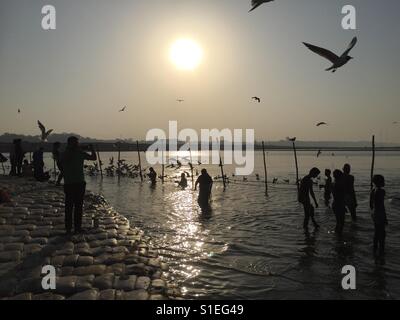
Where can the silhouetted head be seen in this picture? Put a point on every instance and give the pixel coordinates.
(379, 181)
(328, 172)
(314, 172)
(26, 162)
(73, 142)
(56, 145)
(151, 169)
(337, 174)
(204, 172)
(347, 168)
(183, 176)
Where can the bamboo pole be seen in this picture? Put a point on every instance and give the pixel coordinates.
(191, 167)
(99, 162)
(297, 167)
(140, 162)
(265, 169)
(119, 159)
(163, 166)
(373, 161)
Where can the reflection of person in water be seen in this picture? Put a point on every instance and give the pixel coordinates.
(206, 183)
(377, 204)
(153, 176)
(338, 206)
(350, 193)
(183, 183)
(306, 190)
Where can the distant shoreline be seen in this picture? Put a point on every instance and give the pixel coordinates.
(130, 147)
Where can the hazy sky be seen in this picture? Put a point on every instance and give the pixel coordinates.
(107, 54)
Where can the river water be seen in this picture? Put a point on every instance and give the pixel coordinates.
(252, 246)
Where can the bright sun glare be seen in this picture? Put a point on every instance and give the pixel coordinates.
(186, 54)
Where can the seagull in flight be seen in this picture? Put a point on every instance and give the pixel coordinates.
(256, 3)
(257, 99)
(123, 109)
(45, 134)
(332, 57)
(291, 139)
(321, 124)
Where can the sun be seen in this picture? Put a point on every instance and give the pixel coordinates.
(186, 54)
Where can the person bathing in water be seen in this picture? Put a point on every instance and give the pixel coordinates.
(183, 183)
(206, 183)
(153, 176)
(377, 204)
(350, 193)
(306, 190)
(328, 187)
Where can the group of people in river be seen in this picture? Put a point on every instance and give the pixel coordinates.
(342, 190)
(71, 168)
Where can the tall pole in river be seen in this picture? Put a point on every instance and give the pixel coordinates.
(99, 161)
(297, 167)
(140, 161)
(265, 169)
(373, 161)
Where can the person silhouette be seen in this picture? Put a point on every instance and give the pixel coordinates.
(305, 191)
(74, 182)
(183, 183)
(377, 204)
(328, 187)
(338, 205)
(350, 193)
(206, 183)
(153, 176)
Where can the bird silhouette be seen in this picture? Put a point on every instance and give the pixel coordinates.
(45, 134)
(395, 122)
(291, 139)
(19, 110)
(257, 99)
(332, 57)
(123, 109)
(256, 3)
(180, 100)
(321, 124)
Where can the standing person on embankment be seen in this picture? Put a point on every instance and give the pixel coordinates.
(74, 182)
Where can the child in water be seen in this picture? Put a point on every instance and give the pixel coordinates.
(377, 204)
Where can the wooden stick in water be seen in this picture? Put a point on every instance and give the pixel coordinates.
(297, 167)
(99, 161)
(163, 166)
(373, 161)
(119, 159)
(265, 169)
(191, 167)
(140, 162)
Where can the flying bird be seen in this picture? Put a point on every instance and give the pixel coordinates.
(321, 124)
(257, 99)
(332, 57)
(396, 122)
(19, 110)
(256, 3)
(291, 139)
(180, 100)
(123, 109)
(45, 134)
